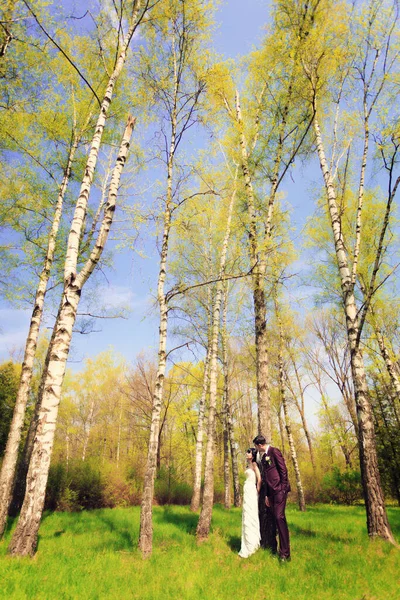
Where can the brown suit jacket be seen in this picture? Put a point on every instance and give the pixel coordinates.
(274, 472)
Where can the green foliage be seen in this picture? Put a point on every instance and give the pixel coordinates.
(385, 409)
(342, 487)
(9, 380)
(169, 490)
(79, 487)
(86, 485)
(94, 555)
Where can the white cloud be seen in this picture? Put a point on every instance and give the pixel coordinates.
(120, 296)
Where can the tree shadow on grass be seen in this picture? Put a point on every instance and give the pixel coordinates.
(394, 520)
(185, 522)
(122, 537)
(310, 533)
(9, 525)
(234, 543)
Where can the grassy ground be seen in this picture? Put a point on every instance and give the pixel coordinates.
(93, 555)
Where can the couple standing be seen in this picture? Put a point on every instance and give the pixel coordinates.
(264, 500)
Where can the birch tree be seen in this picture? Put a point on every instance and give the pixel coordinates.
(37, 151)
(231, 444)
(24, 540)
(176, 88)
(204, 524)
(282, 389)
(372, 58)
(266, 137)
(9, 463)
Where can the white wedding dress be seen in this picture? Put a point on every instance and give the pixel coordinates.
(250, 521)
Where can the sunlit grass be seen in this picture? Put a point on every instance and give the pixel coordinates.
(93, 555)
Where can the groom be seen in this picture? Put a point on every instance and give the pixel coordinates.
(272, 499)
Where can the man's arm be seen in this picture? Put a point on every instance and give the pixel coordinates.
(282, 469)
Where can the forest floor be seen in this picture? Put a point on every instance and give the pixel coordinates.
(93, 555)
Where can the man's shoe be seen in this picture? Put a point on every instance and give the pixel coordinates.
(284, 559)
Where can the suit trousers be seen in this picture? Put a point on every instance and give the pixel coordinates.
(267, 524)
(278, 505)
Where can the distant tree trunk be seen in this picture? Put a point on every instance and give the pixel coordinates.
(119, 432)
(227, 475)
(237, 500)
(394, 377)
(87, 430)
(8, 468)
(195, 503)
(146, 513)
(377, 521)
(24, 540)
(281, 428)
(300, 406)
(293, 453)
(204, 524)
(260, 318)
(387, 442)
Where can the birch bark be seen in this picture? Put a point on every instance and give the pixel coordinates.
(24, 540)
(293, 453)
(204, 524)
(8, 468)
(146, 513)
(377, 521)
(181, 105)
(260, 317)
(195, 502)
(237, 501)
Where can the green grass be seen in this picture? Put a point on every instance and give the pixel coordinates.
(93, 555)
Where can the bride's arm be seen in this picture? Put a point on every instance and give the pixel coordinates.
(258, 476)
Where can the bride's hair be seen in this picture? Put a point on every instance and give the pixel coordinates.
(253, 452)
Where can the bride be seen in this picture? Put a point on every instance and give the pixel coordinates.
(250, 521)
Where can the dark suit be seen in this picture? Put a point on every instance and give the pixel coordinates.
(276, 487)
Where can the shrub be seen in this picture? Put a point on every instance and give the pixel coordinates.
(169, 490)
(343, 487)
(118, 490)
(57, 484)
(78, 488)
(86, 481)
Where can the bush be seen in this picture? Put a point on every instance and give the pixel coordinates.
(86, 481)
(168, 490)
(343, 487)
(56, 486)
(118, 490)
(80, 487)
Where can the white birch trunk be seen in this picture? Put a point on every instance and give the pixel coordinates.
(195, 502)
(75, 235)
(292, 447)
(119, 433)
(262, 359)
(198, 467)
(237, 500)
(8, 468)
(24, 540)
(87, 430)
(227, 479)
(377, 521)
(146, 513)
(394, 378)
(204, 524)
